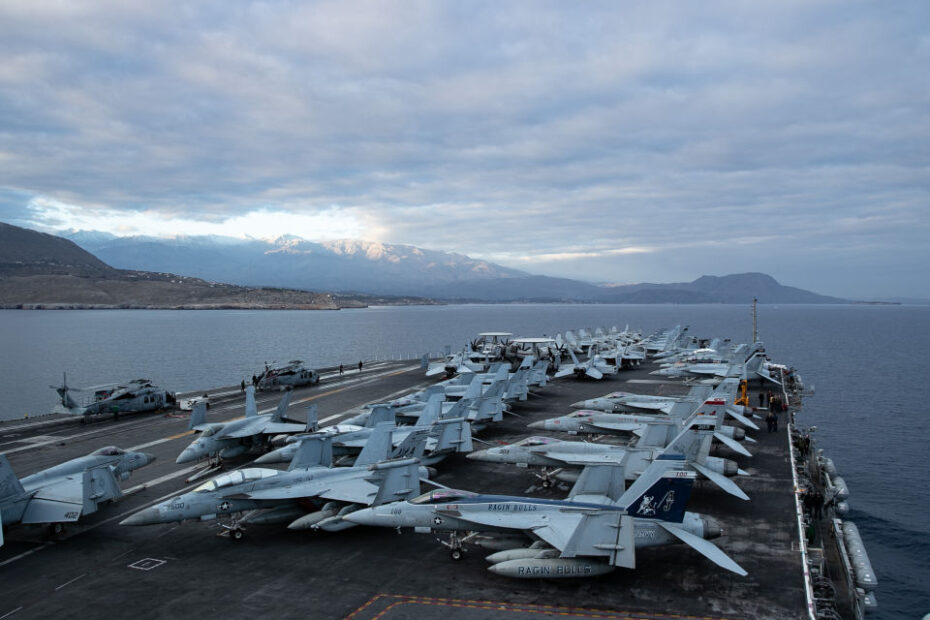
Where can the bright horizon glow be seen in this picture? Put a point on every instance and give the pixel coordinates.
(262, 223)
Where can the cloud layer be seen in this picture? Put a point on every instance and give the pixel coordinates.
(615, 142)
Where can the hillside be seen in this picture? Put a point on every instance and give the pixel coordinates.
(44, 271)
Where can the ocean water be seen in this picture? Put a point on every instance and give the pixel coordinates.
(868, 365)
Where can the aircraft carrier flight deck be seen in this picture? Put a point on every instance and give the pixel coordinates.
(99, 569)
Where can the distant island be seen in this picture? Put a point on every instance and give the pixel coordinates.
(42, 271)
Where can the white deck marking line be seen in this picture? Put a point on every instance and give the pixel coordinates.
(68, 583)
(59, 438)
(21, 556)
(10, 613)
(157, 481)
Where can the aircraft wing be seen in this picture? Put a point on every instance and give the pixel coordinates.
(357, 490)
(281, 428)
(627, 427)
(705, 548)
(651, 405)
(257, 426)
(708, 369)
(721, 481)
(555, 528)
(574, 458)
(59, 502)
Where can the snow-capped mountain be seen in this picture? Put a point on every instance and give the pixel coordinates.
(292, 262)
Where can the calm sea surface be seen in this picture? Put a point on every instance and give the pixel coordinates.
(868, 364)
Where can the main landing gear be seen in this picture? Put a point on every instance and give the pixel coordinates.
(456, 544)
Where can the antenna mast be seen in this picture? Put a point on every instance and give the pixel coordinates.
(755, 332)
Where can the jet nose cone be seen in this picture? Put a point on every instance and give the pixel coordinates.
(540, 425)
(147, 458)
(365, 516)
(149, 516)
(271, 457)
(712, 528)
(581, 404)
(477, 455)
(187, 455)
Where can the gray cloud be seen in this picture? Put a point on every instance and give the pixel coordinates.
(653, 141)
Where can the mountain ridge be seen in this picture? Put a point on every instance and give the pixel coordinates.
(370, 267)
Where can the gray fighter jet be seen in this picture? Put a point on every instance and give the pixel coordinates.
(595, 367)
(649, 430)
(447, 433)
(630, 402)
(65, 492)
(564, 460)
(132, 397)
(598, 528)
(271, 496)
(224, 440)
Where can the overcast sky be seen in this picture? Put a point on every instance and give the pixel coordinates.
(611, 142)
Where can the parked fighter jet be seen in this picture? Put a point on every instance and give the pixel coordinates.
(595, 367)
(629, 402)
(597, 528)
(445, 435)
(755, 367)
(224, 440)
(293, 374)
(282, 496)
(131, 397)
(650, 430)
(564, 460)
(476, 356)
(65, 492)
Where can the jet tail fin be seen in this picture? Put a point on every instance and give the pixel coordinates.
(599, 481)
(661, 492)
(474, 389)
(198, 416)
(380, 414)
(313, 451)
(412, 446)
(313, 421)
(10, 485)
(378, 446)
(454, 435)
(694, 441)
(251, 410)
(281, 412)
(433, 410)
(399, 480)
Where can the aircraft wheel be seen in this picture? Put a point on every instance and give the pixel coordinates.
(55, 530)
(236, 534)
(457, 554)
(546, 483)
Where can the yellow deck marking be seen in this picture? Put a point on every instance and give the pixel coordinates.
(399, 600)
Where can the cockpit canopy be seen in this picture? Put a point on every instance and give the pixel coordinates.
(108, 451)
(236, 477)
(441, 496)
(212, 430)
(530, 442)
